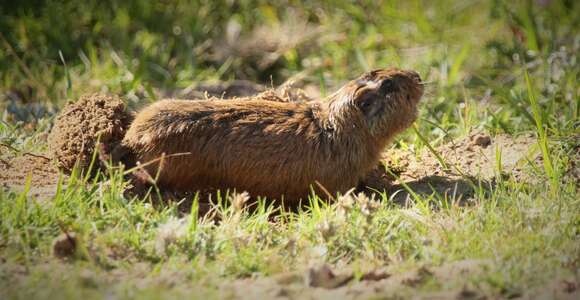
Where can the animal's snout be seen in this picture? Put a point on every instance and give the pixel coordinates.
(415, 76)
(403, 80)
(415, 86)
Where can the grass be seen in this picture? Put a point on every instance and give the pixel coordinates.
(495, 66)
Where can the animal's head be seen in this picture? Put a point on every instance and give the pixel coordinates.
(383, 100)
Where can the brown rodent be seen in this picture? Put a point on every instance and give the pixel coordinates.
(280, 150)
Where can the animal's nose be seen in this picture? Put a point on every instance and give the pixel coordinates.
(415, 76)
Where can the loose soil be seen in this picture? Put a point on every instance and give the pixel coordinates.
(43, 174)
(81, 124)
(475, 160)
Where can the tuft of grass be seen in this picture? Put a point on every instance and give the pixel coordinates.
(542, 135)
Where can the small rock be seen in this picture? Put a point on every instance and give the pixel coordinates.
(468, 294)
(65, 245)
(323, 276)
(482, 140)
(281, 293)
(375, 275)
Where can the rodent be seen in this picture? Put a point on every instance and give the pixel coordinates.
(279, 150)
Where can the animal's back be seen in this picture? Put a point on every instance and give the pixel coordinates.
(269, 148)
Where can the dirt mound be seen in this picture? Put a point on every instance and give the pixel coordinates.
(80, 124)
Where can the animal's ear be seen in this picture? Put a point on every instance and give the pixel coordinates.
(369, 104)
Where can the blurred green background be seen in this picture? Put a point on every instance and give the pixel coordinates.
(473, 52)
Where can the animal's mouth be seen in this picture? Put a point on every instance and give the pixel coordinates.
(418, 93)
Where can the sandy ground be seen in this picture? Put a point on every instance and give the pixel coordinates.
(458, 280)
(43, 174)
(321, 282)
(468, 162)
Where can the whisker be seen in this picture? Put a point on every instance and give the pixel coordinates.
(426, 82)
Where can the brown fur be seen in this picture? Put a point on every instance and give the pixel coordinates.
(276, 149)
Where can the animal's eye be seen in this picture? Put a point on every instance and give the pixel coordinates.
(387, 86)
(365, 102)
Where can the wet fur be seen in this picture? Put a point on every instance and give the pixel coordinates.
(275, 149)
